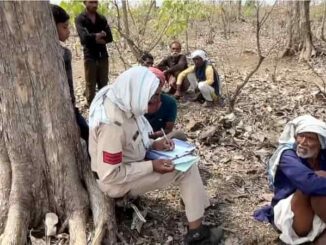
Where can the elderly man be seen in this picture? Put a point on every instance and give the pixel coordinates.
(297, 171)
(172, 65)
(202, 75)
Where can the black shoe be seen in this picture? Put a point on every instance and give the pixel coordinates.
(204, 236)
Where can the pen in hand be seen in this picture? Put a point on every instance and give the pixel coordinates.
(171, 146)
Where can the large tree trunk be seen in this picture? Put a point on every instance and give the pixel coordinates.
(299, 31)
(308, 48)
(293, 30)
(42, 161)
(322, 26)
(239, 8)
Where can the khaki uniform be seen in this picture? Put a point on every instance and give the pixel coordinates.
(118, 153)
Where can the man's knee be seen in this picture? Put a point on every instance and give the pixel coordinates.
(202, 85)
(303, 214)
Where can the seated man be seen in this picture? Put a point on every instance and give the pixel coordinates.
(164, 118)
(297, 171)
(172, 65)
(202, 75)
(119, 138)
(146, 59)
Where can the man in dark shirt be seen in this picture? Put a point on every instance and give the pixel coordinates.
(172, 65)
(61, 19)
(94, 33)
(146, 59)
(298, 172)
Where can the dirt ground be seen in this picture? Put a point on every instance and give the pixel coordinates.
(233, 158)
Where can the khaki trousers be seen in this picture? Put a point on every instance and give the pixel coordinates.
(191, 186)
(96, 72)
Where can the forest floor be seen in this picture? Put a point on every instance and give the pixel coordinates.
(233, 158)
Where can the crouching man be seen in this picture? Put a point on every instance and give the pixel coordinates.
(298, 173)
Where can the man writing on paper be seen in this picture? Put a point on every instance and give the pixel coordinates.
(297, 170)
(118, 143)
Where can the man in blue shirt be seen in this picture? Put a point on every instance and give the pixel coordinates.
(165, 117)
(298, 173)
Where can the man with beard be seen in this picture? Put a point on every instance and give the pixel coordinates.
(297, 171)
(94, 33)
(172, 65)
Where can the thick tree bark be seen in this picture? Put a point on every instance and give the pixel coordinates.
(293, 15)
(239, 8)
(40, 151)
(322, 26)
(5, 183)
(299, 30)
(308, 48)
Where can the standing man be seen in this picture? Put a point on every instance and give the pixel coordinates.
(94, 33)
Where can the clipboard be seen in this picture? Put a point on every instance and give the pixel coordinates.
(183, 156)
(181, 149)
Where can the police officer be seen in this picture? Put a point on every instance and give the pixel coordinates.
(119, 138)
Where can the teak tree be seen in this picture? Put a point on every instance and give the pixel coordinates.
(43, 167)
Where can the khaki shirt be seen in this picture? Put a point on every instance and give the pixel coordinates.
(117, 150)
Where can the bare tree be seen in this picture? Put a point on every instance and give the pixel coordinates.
(308, 48)
(259, 23)
(293, 15)
(322, 27)
(299, 30)
(43, 166)
(239, 8)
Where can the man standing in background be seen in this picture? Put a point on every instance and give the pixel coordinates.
(94, 33)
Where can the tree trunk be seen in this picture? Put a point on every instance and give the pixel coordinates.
(125, 20)
(299, 31)
(293, 15)
(308, 48)
(239, 6)
(40, 151)
(322, 27)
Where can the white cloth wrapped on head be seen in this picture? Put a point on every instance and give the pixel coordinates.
(131, 92)
(301, 124)
(199, 53)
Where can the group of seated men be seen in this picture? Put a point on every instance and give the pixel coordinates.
(182, 79)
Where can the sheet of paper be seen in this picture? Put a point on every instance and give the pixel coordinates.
(184, 163)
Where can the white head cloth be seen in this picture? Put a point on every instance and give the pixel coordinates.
(199, 53)
(131, 92)
(298, 125)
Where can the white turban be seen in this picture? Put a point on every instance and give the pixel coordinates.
(199, 53)
(131, 92)
(301, 124)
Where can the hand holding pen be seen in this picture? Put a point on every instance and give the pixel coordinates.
(163, 144)
(169, 144)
